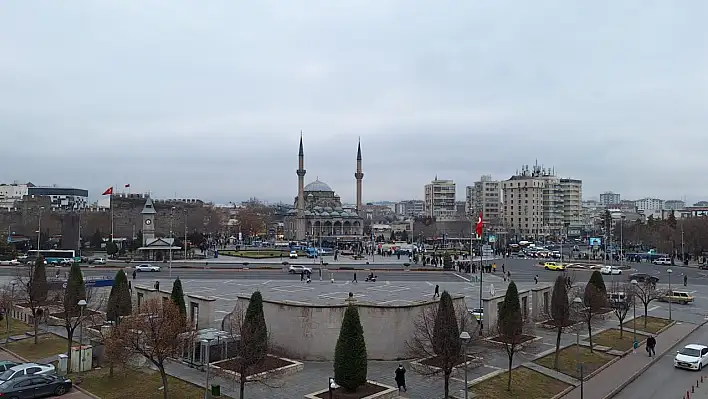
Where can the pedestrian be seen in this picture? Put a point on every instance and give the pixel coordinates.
(685, 280)
(651, 344)
(135, 273)
(157, 285)
(535, 279)
(437, 291)
(494, 267)
(354, 281)
(302, 275)
(401, 378)
(503, 267)
(130, 286)
(508, 275)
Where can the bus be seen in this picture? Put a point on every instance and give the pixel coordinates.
(55, 256)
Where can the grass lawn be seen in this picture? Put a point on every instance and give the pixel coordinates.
(144, 384)
(654, 324)
(49, 345)
(612, 339)
(16, 328)
(568, 360)
(525, 384)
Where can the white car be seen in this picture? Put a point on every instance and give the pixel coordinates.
(610, 270)
(662, 261)
(27, 369)
(293, 254)
(297, 269)
(12, 262)
(147, 268)
(692, 357)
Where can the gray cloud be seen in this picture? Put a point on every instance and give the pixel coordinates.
(207, 99)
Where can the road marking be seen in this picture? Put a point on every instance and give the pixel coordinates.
(653, 308)
(464, 278)
(429, 283)
(691, 292)
(267, 282)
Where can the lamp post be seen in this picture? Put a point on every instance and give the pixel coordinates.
(39, 229)
(634, 308)
(465, 338)
(682, 249)
(669, 271)
(185, 233)
(208, 350)
(82, 304)
(622, 240)
(172, 219)
(579, 303)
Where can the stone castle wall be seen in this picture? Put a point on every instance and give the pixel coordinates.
(24, 219)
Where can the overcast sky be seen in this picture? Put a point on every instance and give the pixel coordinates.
(207, 98)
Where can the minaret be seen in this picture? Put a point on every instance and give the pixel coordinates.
(300, 227)
(359, 175)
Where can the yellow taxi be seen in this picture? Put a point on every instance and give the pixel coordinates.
(677, 297)
(553, 266)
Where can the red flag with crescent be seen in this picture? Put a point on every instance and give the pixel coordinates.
(480, 225)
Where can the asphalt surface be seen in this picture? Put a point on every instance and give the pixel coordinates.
(662, 380)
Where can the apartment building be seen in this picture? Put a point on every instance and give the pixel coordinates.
(609, 198)
(649, 204)
(440, 199)
(572, 196)
(411, 208)
(674, 205)
(485, 197)
(60, 198)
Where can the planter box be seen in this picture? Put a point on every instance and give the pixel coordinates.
(459, 372)
(292, 367)
(388, 393)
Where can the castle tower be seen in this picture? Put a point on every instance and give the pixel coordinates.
(148, 213)
(359, 175)
(301, 226)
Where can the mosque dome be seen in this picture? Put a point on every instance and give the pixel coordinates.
(318, 186)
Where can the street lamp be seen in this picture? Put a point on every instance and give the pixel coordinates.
(622, 240)
(208, 350)
(39, 228)
(185, 233)
(465, 338)
(82, 304)
(579, 303)
(172, 219)
(669, 271)
(634, 310)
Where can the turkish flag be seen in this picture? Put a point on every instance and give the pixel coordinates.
(480, 225)
(109, 191)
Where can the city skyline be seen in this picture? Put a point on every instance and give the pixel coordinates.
(208, 102)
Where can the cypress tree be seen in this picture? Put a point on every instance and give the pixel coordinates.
(177, 297)
(119, 301)
(75, 291)
(510, 324)
(253, 347)
(446, 332)
(350, 364)
(560, 312)
(598, 282)
(37, 292)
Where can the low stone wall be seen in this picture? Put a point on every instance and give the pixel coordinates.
(389, 393)
(290, 369)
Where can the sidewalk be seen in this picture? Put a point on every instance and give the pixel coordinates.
(615, 377)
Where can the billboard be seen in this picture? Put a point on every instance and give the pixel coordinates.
(595, 241)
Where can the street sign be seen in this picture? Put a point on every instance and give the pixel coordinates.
(492, 239)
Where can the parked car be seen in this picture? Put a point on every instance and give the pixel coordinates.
(35, 386)
(553, 266)
(610, 270)
(703, 266)
(477, 313)
(677, 297)
(97, 261)
(6, 364)
(692, 357)
(293, 255)
(643, 278)
(662, 261)
(27, 369)
(297, 269)
(146, 267)
(11, 262)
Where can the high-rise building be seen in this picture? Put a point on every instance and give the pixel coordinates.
(485, 197)
(649, 204)
(440, 199)
(609, 198)
(674, 205)
(411, 208)
(572, 194)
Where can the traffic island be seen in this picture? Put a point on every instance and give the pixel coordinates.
(433, 365)
(650, 324)
(571, 356)
(271, 367)
(525, 384)
(371, 390)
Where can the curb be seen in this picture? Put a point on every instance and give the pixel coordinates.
(644, 368)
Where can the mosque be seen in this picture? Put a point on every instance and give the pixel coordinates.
(319, 213)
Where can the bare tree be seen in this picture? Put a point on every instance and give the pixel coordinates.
(114, 349)
(32, 291)
(157, 333)
(646, 292)
(560, 312)
(426, 344)
(620, 299)
(7, 301)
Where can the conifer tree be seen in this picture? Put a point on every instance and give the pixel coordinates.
(350, 363)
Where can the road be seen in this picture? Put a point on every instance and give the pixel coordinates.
(662, 380)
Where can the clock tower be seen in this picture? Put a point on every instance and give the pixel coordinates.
(148, 226)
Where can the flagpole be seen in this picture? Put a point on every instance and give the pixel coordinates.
(110, 201)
